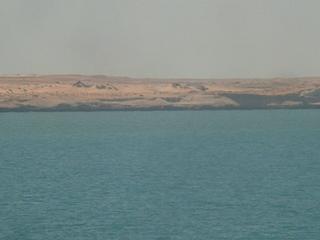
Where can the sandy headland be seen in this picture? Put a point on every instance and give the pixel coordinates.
(94, 93)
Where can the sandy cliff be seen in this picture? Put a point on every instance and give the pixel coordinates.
(78, 92)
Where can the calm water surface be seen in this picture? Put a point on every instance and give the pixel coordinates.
(160, 175)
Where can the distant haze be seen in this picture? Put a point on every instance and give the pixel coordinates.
(161, 38)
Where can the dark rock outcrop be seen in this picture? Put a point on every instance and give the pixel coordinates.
(80, 84)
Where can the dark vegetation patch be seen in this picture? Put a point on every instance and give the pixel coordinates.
(101, 86)
(172, 99)
(179, 86)
(201, 87)
(106, 86)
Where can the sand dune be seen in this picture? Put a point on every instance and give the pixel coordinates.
(78, 92)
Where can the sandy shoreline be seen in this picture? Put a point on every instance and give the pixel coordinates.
(102, 93)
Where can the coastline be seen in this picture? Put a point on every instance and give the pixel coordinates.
(60, 93)
(151, 109)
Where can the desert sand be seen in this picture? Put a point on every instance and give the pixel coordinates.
(93, 93)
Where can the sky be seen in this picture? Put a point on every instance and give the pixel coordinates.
(161, 38)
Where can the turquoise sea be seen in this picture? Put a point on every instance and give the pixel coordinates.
(247, 175)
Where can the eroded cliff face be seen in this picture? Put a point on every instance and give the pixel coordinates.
(77, 92)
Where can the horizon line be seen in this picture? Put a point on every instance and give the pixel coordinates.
(155, 78)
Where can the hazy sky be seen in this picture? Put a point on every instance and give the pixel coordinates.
(161, 38)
